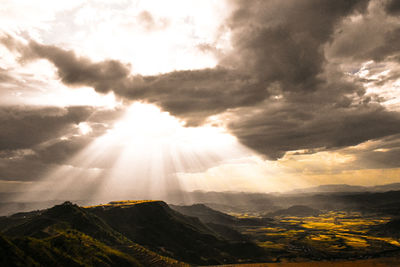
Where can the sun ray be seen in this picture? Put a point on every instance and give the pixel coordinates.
(140, 157)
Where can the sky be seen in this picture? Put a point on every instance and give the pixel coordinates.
(138, 98)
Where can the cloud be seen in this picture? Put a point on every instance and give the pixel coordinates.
(263, 54)
(279, 88)
(192, 95)
(27, 132)
(282, 127)
(281, 41)
(34, 139)
(25, 127)
(21, 168)
(393, 7)
(372, 36)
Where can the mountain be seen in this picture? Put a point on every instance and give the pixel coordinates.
(73, 248)
(217, 221)
(210, 216)
(69, 235)
(206, 214)
(386, 187)
(11, 255)
(225, 201)
(347, 188)
(163, 230)
(297, 210)
(66, 216)
(121, 233)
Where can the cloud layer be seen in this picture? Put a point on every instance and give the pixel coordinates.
(282, 87)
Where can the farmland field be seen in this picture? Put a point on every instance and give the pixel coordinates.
(331, 235)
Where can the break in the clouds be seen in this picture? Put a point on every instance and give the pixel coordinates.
(308, 75)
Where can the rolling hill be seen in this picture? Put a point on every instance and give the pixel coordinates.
(120, 233)
(69, 235)
(163, 230)
(297, 210)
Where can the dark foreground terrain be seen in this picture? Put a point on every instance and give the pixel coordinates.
(127, 233)
(340, 229)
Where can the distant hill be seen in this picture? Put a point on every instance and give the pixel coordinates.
(320, 197)
(225, 201)
(347, 188)
(297, 210)
(208, 215)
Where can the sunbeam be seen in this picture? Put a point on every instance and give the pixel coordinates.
(139, 157)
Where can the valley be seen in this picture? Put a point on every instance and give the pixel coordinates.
(290, 231)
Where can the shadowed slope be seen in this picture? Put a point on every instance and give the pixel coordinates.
(74, 236)
(161, 229)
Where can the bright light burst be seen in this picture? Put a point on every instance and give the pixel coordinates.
(139, 157)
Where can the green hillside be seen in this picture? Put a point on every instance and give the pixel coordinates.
(69, 235)
(121, 233)
(156, 226)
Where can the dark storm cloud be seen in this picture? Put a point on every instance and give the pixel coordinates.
(393, 7)
(40, 128)
(384, 154)
(24, 130)
(281, 40)
(103, 76)
(21, 169)
(193, 95)
(278, 86)
(273, 41)
(372, 37)
(24, 127)
(31, 143)
(285, 127)
(60, 151)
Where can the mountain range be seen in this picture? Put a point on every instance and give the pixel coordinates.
(348, 188)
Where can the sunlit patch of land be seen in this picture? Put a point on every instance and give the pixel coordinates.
(334, 234)
(122, 203)
(380, 262)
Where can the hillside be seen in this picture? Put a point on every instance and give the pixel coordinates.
(68, 235)
(11, 255)
(156, 226)
(211, 216)
(121, 233)
(206, 214)
(221, 223)
(297, 210)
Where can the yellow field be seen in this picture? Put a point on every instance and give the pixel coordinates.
(381, 262)
(332, 232)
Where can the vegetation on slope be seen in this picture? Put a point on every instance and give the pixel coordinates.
(165, 231)
(68, 235)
